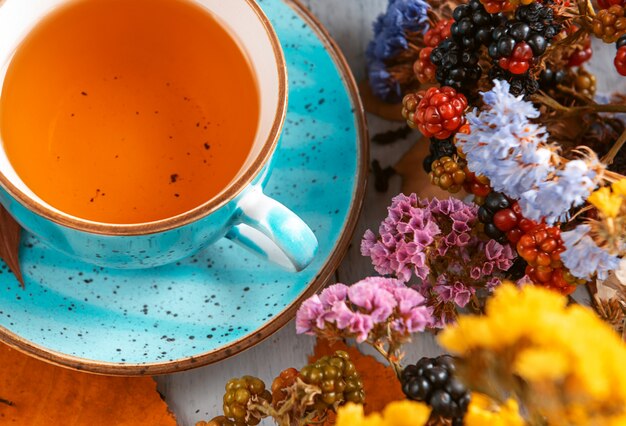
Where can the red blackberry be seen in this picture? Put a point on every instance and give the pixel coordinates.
(432, 380)
(605, 4)
(519, 42)
(424, 70)
(503, 219)
(477, 185)
(439, 113)
(439, 148)
(541, 247)
(580, 56)
(438, 33)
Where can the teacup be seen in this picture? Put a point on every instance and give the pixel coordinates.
(241, 212)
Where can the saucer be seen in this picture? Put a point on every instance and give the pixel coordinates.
(224, 299)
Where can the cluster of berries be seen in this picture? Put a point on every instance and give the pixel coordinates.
(334, 379)
(433, 381)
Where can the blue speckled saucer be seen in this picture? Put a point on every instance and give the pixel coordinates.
(222, 300)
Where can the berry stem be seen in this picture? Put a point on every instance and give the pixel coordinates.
(576, 94)
(577, 110)
(610, 156)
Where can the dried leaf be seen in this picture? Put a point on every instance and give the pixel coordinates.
(377, 107)
(43, 394)
(10, 232)
(414, 178)
(380, 382)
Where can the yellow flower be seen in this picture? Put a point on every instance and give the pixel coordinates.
(619, 187)
(570, 360)
(406, 413)
(401, 413)
(606, 201)
(484, 412)
(536, 365)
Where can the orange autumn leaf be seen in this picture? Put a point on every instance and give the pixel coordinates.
(43, 394)
(380, 382)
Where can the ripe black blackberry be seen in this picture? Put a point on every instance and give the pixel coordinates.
(550, 78)
(456, 58)
(432, 381)
(518, 269)
(494, 202)
(518, 42)
(439, 148)
(524, 84)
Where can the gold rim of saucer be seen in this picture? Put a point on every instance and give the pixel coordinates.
(201, 211)
(326, 271)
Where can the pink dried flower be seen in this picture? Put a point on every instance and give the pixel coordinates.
(310, 316)
(414, 315)
(458, 293)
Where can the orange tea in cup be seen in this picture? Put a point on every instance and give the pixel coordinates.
(128, 111)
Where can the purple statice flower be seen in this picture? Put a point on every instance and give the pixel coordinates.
(504, 145)
(571, 186)
(403, 236)
(402, 17)
(498, 257)
(456, 291)
(375, 300)
(583, 257)
(463, 217)
(372, 304)
(412, 313)
(310, 316)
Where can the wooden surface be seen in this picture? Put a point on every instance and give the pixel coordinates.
(197, 394)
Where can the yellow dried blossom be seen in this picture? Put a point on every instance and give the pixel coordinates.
(607, 202)
(619, 187)
(401, 413)
(484, 412)
(570, 361)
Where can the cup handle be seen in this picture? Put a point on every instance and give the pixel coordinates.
(269, 229)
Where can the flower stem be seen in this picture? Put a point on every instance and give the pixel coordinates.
(610, 156)
(391, 358)
(575, 110)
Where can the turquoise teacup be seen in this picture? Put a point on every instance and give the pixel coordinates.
(241, 212)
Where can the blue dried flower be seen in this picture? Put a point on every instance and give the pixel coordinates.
(583, 257)
(552, 199)
(383, 85)
(504, 145)
(390, 39)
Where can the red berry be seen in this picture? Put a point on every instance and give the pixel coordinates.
(605, 4)
(522, 52)
(438, 33)
(620, 61)
(505, 220)
(519, 61)
(580, 56)
(541, 246)
(423, 68)
(440, 113)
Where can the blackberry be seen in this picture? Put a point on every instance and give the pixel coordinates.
(432, 380)
(519, 42)
(439, 148)
(456, 58)
(610, 24)
(517, 270)
(550, 78)
(494, 203)
(338, 380)
(239, 394)
(621, 42)
(524, 84)
(448, 173)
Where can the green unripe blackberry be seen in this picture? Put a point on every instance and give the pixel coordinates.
(337, 378)
(239, 394)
